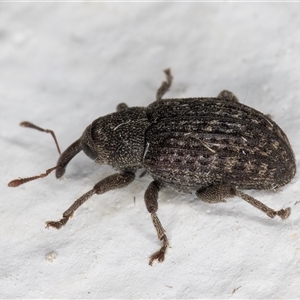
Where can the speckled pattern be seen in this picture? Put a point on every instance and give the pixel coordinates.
(197, 142)
(64, 65)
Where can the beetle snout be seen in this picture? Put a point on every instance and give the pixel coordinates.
(60, 171)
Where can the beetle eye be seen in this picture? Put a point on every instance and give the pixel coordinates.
(89, 152)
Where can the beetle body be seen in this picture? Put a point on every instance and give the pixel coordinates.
(189, 144)
(210, 146)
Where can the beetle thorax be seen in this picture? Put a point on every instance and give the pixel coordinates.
(117, 139)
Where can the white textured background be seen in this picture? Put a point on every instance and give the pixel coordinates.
(63, 65)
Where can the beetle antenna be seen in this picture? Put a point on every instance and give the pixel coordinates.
(30, 125)
(17, 182)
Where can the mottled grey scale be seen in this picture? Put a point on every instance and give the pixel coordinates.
(121, 148)
(210, 146)
(196, 142)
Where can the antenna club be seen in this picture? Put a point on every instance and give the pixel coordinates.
(15, 183)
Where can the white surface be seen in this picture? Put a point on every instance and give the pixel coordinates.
(61, 66)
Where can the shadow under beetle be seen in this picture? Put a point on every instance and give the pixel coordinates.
(211, 146)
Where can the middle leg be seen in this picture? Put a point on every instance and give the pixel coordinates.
(165, 85)
(151, 196)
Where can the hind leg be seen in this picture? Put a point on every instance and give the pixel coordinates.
(228, 96)
(217, 193)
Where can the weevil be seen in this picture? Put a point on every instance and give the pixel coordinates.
(213, 147)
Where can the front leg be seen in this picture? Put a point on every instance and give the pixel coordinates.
(121, 106)
(151, 196)
(112, 182)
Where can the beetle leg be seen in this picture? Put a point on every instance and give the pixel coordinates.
(282, 213)
(228, 96)
(217, 193)
(112, 182)
(165, 85)
(121, 106)
(214, 193)
(151, 196)
(144, 172)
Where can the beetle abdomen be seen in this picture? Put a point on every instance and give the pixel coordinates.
(197, 142)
